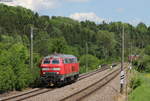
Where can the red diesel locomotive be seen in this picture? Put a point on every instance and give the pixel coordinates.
(58, 69)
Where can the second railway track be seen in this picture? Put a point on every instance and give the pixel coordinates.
(78, 96)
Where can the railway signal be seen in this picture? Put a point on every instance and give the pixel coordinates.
(121, 81)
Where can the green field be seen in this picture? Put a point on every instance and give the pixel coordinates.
(141, 93)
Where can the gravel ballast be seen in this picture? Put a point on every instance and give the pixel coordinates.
(60, 93)
(107, 93)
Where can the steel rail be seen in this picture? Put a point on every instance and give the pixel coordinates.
(38, 91)
(92, 88)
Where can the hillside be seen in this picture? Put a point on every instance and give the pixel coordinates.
(61, 35)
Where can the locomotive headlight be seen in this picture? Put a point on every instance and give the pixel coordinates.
(43, 69)
(56, 69)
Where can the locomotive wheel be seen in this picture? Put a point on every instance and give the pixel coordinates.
(75, 79)
(41, 83)
(60, 83)
(70, 80)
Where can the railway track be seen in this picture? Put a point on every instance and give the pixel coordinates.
(78, 96)
(38, 91)
(85, 75)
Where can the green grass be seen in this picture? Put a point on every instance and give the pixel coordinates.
(141, 93)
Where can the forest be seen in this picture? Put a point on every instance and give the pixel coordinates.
(99, 43)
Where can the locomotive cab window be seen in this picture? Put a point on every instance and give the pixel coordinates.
(70, 60)
(66, 61)
(75, 60)
(55, 61)
(46, 61)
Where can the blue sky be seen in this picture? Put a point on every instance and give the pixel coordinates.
(131, 11)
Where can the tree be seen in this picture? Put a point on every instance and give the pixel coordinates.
(7, 78)
(106, 42)
(144, 64)
(14, 70)
(92, 61)
(59, 45)
(147, 50)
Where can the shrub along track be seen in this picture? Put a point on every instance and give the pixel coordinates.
(78, 96)
(38, 91)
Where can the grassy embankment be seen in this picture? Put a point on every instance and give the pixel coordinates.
(142, 91)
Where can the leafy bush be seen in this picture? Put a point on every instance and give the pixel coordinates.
(144, 64)
(135, 82)
(147, 50)
(24, 77)
(7, 79)
(92, 62)
(14, 70)
(141, 93)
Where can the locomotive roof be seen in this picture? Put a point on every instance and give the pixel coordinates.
(60, 56)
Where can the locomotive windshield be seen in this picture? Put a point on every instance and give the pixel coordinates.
(46, 61)
(70, 60)
(55, 61)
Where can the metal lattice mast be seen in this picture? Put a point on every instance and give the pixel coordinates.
(122, 63)
(31, 48)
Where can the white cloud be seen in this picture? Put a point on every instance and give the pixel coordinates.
(77, 0)
(34, 4)
(37, 5)
(135, 21)
(86, 16)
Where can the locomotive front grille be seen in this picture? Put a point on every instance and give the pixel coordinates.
(51, 76)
